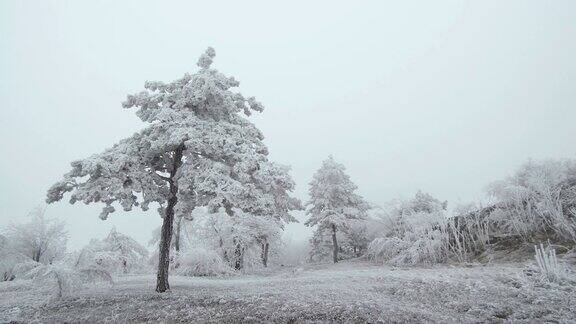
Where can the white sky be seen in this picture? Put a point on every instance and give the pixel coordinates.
(443, 96)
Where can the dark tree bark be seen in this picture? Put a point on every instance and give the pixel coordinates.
(36, 256)
(162, 284)
(177, 234)
(334, 244)
(265, 249)
(239, 257)
(177, 239)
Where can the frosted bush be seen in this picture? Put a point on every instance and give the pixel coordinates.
(117, 253)
(199, 262)
(386, 248)
(428, 247)
(414, 232)
(468, 231)
(8, 265)
(538, 200)
(26, 269)
(547, 263)
(58, 280)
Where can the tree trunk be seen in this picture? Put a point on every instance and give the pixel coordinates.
(334, 244)
(167, 226)
(265, 248)
(239, 257)
(177, 234)
(177, 240)
(36, 254)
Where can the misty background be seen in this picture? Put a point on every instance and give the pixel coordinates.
(439, 96)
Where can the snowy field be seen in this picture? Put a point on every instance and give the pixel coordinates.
(349, 291)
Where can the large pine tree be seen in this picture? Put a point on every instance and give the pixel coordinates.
(198, 150)
(333, 202)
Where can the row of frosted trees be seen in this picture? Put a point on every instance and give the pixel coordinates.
(535, 204)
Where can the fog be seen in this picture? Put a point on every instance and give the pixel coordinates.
(439, 96)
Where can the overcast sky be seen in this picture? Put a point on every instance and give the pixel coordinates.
(443, 96)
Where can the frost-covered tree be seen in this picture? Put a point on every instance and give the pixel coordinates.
(422, 202)
(321, 245)
(275, 181)
(42, 239)
(356, 238)
(197, 150)
(265, 232)
(333, 203)
(238, 237)
(352, 241)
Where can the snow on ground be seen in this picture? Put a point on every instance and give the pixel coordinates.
(351, 291)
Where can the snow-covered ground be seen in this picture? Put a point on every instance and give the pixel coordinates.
(351, 291)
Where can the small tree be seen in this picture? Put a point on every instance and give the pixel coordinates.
(356, 238)
(116, 252)
(196, 151)
(233, 237)
(333, 202)
(41, 239)
(265, 233)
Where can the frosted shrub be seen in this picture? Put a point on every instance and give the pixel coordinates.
(8, 265)
(386, 248)
(468, 232)
(26, 269)
(410, 243)
(117, 253)
(547, 263)
(538, 200)
(59, 280)
(428, 247)
(414, 232)
(199, 262)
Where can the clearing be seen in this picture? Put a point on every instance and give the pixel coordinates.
(350, 292)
